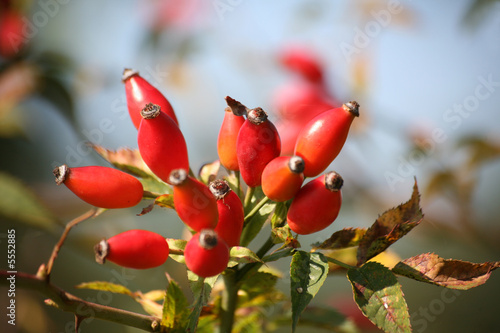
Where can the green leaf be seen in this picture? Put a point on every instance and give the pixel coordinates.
(155, 185)
(308, 271)
(379, 296)
(253, 227)
(242, 255)
(194, 316)
(201, 288)
(175, 307)
(176, 247)
(390, 227)
(347, 237)
(19, 203)
(279, 216)
(105, 286)
(449, 273)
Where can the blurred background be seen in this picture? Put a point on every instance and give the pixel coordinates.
(427, 77)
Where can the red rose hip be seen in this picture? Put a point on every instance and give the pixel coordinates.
(231, 213)
(139, 249)
(193, 201)
(206, 254)
(322, 139)
(257, 144)
(101, 186)
(316, 205)
(283, 177)
(226, 141)
(140, 92)
(161, 143)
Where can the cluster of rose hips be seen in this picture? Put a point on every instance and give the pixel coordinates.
(248, 143)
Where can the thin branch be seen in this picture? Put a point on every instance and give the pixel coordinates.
(248, 197)
(85, 216)
(70, 303)
(256, 208)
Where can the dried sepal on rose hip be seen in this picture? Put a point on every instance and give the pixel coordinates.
(322, 139)
(206, 254)
(283, 177)
(139, 249)
(161, 143)
(140, 92)
(231, 212)
(193, 201)
(316, 205)
(257, 144)
(101, 186)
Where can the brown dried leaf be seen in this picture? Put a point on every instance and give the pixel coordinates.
(125, 159)
(347, 237)
(389, 227)
(449, 273)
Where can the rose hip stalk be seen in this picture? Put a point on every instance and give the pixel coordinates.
(231, 214)
(226, 142)
(193, 201)
(257, 144)
(316, 205)
(322, 139)
(206, 254)
(140, 92)
(283, 177)
(161, 143)
(139, 249)
(101, 186)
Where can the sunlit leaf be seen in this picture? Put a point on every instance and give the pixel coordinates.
(154, 295)
(241, 255)
(177, 247)
(347, 237)
(390, 227)
(150, 306)
(449, 273)
(308, 271)
(175, 307)
(348, 256)
(105, 286)
(379, 296)
(19, 203)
